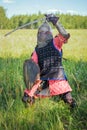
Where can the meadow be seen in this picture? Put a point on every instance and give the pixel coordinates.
(48, 113)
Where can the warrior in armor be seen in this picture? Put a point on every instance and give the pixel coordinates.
(50, 80)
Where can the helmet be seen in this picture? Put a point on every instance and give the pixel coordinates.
(44, 34)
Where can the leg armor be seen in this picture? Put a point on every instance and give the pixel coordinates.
(67, 97)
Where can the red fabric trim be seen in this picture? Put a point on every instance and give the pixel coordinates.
(59, 40)
(56, 87)
(59, 87)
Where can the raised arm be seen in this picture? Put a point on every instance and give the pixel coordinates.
(55, 21)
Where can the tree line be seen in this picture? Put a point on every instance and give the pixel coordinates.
(69, 21)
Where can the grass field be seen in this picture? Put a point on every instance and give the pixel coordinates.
(48, 113)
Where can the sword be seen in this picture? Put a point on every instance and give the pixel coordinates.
(24, 25)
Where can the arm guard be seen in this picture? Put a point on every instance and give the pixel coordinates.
(62, 30)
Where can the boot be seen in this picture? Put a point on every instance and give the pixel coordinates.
(73, 104)
(27, 99)
(67, 98)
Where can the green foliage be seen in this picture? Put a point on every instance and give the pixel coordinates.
(74, 21)
(3, 19)
(69, 21)
(48, 113)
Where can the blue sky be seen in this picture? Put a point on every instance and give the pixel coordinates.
(15, 7)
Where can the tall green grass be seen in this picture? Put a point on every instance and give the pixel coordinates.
(48, 113)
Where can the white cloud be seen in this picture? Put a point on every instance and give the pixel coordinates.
(8, 1)
(53, 11)
(72, 12)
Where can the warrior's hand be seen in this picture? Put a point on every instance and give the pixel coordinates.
(51, 18)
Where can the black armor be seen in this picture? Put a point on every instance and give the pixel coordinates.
(50, 62)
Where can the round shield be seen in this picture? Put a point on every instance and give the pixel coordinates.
(31, 73)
